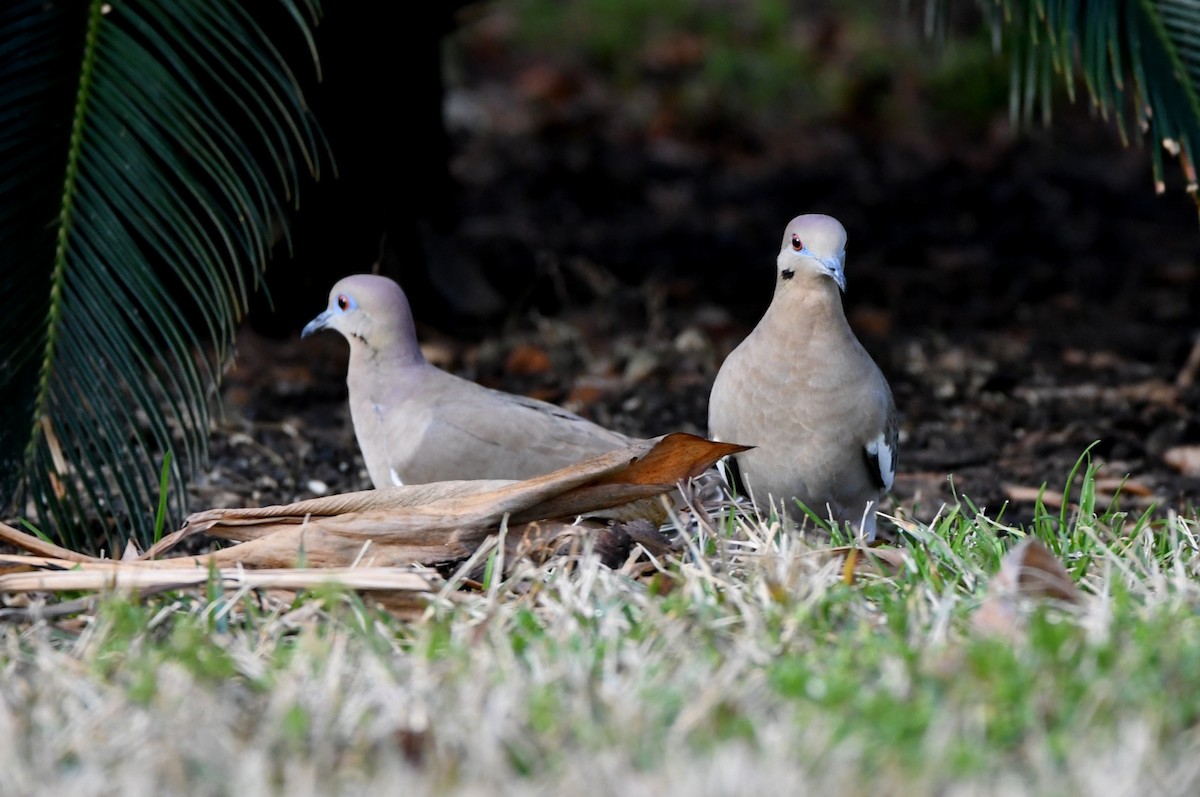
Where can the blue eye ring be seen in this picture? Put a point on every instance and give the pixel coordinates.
(344, 302)
(797, 244)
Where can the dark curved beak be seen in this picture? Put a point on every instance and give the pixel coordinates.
(317, 324)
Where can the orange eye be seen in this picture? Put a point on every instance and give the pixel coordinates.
(797, 244)
(343, 302)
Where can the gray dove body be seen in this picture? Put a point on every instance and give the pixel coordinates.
(805, 393)
(416, 423)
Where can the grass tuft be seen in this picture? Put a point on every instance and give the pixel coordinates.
(754, 658)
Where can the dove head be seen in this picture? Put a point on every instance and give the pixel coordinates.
(814, 246)
(372, 313)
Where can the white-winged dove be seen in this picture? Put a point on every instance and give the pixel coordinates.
(416, 423)
(804, 391)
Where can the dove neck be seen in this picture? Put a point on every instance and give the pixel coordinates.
(808, 307)
(395, 344)
(401, 336)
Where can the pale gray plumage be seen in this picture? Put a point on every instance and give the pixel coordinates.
(804, 391)
(416, 423)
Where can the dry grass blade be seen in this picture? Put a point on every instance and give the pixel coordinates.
(22, 563)
(125, 576)
(403, 592)
(35, 545)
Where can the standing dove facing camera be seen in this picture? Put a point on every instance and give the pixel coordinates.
(416, 423)
(804, 391)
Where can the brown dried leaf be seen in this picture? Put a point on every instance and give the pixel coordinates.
(1029, 570)
(675, 50)
(678, 456)
(1111, 485)
(1018, 492)
(527, 360)
(888, 560)
(445, 521)
(609, 501)
(997, 616)
(856, 560)
(375, 530)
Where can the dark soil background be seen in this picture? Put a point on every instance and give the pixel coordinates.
(601, 239)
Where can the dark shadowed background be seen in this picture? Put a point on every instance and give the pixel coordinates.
(584, 202)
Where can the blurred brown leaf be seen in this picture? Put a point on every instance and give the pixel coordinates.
(675, 51)
(527, 360)
(1029, 570)
(1185, 459)
(857, 559)
(1018, 492)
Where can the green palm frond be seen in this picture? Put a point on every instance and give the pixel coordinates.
(143, 149)
(1139, 61)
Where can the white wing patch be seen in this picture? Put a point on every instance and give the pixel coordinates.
(880, 450)
(395, 477)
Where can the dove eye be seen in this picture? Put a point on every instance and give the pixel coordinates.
(797, 244)
(343, 302)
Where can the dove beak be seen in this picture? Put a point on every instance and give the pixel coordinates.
(836, 267)
(318, 323)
